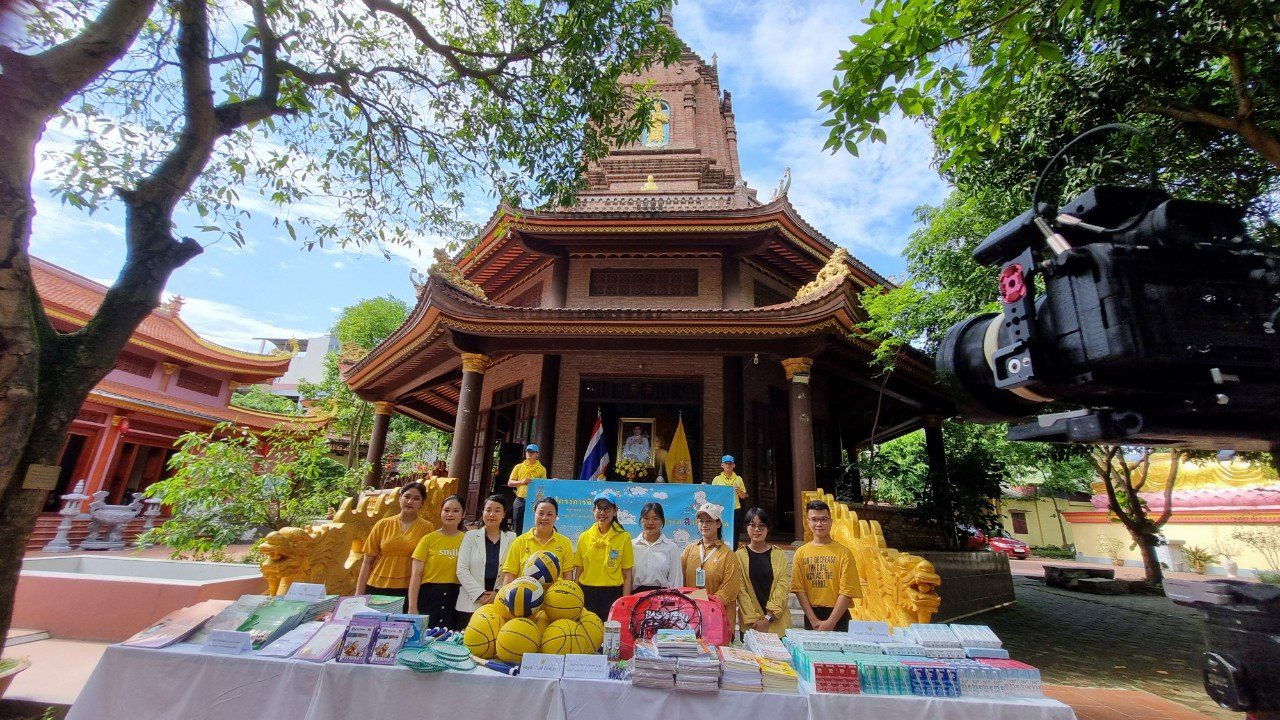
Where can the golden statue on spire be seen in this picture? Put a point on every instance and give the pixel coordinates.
(656, 134)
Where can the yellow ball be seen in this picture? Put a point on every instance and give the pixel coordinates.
(562, 637)
(562, 600)
(499, 609)
(481, 634)
(593, 626)
(521, 596)
(540, 619)
(543, 566)
(517, 637)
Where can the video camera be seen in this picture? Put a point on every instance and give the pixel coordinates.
(1139, 319)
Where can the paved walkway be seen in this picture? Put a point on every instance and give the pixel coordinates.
(1034, 567)
(1137, 642)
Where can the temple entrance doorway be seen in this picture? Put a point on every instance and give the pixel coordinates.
(641, 415)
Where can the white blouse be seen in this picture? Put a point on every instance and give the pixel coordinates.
(657, 563)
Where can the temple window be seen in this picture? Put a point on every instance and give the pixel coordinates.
(202, 384)
(607, 282)
(135, 364)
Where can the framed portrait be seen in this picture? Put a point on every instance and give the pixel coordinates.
(635, 439)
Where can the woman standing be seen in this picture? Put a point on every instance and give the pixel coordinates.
(388, 549)
(766, 588)
(657, 556)
(480, 558)
(543, 536)
(605, 558)
(435, 567)
(710, 564)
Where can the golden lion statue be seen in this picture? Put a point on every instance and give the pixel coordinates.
(330, 553)
(897, 588)
(837, 268)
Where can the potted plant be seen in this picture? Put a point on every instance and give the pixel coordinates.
(1114, 548)
(9, 669)
(1198, 558)
(1227, 551)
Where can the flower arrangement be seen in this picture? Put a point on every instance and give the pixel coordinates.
(631, 469)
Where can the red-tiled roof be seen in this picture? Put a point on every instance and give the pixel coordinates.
(74, 299)
(131, 397)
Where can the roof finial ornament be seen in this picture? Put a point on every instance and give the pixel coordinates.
(418, 279)
(444, 269)
(714, 60)
(174, 305)
(783, 185)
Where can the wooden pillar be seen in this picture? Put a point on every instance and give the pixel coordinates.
(803, 467)
(464, 426)
(377, 443)
(556, 292)
(733, 420)
(548, 385)
(731, 282)
(936, 454)
(104, 454)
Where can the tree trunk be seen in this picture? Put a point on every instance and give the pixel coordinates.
(1147, 543)
(1062, 529)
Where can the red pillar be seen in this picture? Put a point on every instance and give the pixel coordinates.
(464, 425)
(378, 443)
(104, 455)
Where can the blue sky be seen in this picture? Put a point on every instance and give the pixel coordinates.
(773, 56)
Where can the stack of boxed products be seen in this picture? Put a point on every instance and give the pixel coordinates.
(358, 629)
(926, 660)
(679, 659)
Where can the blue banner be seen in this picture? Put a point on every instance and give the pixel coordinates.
(679, 504)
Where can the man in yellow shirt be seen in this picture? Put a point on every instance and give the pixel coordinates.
(727, 477)
(824, 575)
(521, 475)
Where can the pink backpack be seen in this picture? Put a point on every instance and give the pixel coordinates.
(644, 614)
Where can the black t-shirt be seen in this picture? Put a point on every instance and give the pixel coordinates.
(491, 562)
(760, 568)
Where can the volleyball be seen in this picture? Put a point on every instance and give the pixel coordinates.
(521, 596)
(593, 626)
(543, 566)
(563, 600)
(499, 609)
(517, 637)
(481, 634)
(562, 637)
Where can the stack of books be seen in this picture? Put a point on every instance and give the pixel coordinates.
(321, 609)
(386, 603)
(766, 645)
(229, 618)
(649, 669)
(272, 619)
(323, 645)
(700, 673)
(778, 677)
(289, 643)
(739, 670)
(177, 625)
(672, 643)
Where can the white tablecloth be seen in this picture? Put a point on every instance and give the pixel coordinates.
(182, 682)
(825, 706)
(609, 699)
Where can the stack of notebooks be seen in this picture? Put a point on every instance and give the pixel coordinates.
(322, 609)
(766, 645)
(273, 618)
(649, 669)
(739, 670)
(177, 625)
(778, 677)
(386, 603)
(230, 618)
(700, 673)
(672, 643)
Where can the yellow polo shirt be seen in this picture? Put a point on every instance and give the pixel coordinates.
(823, 572)
(603, 556)
(526, 471)
(394, 551)
(439, 555)
(737, 484)
(526, 545)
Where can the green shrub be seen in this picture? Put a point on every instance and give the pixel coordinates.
(1271, 578)
(1053, 551)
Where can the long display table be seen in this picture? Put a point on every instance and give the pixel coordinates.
(182, 681)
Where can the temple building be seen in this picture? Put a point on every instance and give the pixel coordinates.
(166, 382)
(670, 295)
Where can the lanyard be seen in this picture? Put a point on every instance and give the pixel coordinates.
(704, 556)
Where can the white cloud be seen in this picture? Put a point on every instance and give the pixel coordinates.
(235, 326)
(338, 264)
(215, 272)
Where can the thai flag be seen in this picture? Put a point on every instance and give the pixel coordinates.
(596, 460)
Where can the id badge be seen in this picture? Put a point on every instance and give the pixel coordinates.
(700, 578)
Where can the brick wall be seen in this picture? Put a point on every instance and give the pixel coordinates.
(515, 291)
(709, 289)
(511, 369)
(707, 368)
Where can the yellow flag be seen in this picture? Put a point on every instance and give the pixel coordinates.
(679, 462)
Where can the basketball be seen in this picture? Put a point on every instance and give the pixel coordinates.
(481, 634)
(563, 600)
(562, 637)
(582, 644)
(543, 566)
(517, 637)
(521, 596)
(593, 626)
(540, 619)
